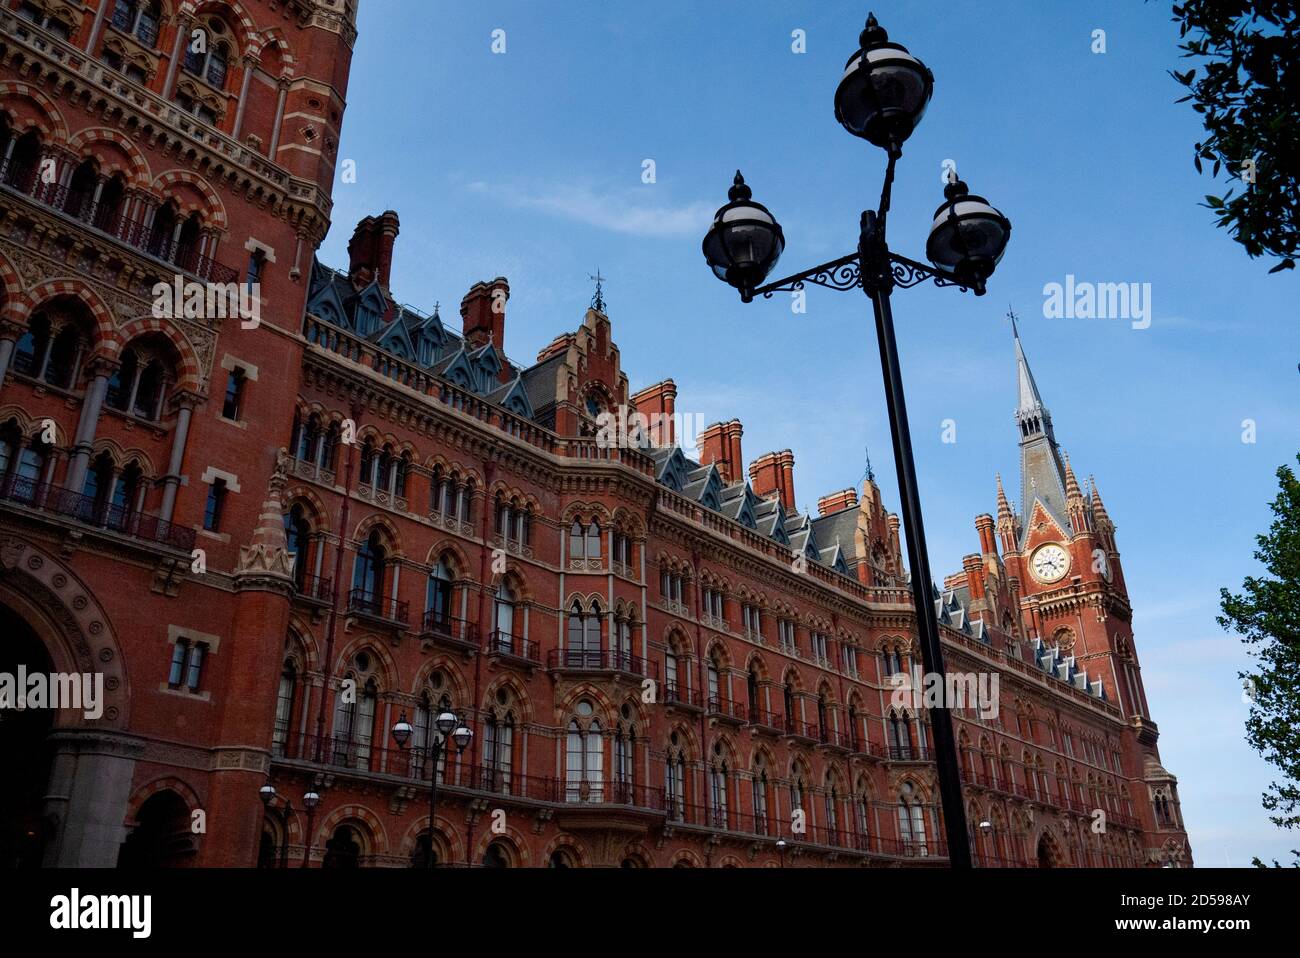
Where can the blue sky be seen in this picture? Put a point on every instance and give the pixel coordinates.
(529, 164)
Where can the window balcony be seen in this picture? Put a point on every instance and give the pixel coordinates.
(601, 660)
(727, 710)
(514, 648)
(57, 501)
(384, 609)
(448, 631)
(314, 590)
(79, 207)
(907, 753)
(679, 696)
(799, 729)
(764, 721)
(833, 738)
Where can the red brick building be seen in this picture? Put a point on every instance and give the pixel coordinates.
(277, 540)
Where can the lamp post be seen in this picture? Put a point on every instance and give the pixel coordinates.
(447, 724)
(881, 97)
(268, 795)
(780, 848)
(309, 802)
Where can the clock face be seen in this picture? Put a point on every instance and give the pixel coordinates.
(1050, 563)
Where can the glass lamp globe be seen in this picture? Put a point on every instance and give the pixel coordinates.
(884, 90)
(745, 240)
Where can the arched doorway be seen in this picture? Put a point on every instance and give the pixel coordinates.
(27, 754)
(163, 838)
(1049, 856)
(343, 850)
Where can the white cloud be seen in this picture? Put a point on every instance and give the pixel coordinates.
(628, 211)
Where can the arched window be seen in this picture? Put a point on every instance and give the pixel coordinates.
(297, 534)
(675, 780)
(713, 676)
(495, 856)
(584, 757)
(584, 541)
(759, 783)
(499, 744)
(671, 678)
(751, 686)
(354, 720)
(899, 730)
(911, 821)
(787, 696)
(368, 575)
(139, 385)
(367, 477)
(718, 772)
(505, 618)
(438, 601)
(624, 759)
(208, 52)
(832, 811)
(823, 726)
(284, 708)
(140, 18)
(623, 658)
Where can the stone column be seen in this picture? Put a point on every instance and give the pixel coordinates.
(185, 403)
(11, 330)
(279, 118)
(101, 371)
(250, 67)
(87, 795)
(183, 24)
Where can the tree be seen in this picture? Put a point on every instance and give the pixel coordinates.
(1266, 614)
(1248, 94)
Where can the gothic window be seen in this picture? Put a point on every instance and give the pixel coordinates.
(140, 18)
(355, 705)
(297, 533)
(284, 708)
(584, 757)
(139, 385)
(898, 728)
(759, 786)
(718, 772)
(368, 574)
(911, 821)
(675, 779)
(713, 670)
(439, 595)
(208, 52)
(505, 618)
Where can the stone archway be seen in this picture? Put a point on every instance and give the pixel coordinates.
(84, 765)
(1049, 852)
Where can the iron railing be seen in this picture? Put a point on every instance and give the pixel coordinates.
(379, 606)
(64, 502)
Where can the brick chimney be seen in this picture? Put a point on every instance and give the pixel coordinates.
(772, 476)
(720, 443)
(657, 404)
(370, 251)
(974, 568)
(988, 540)
(484, 313)
(837, 501)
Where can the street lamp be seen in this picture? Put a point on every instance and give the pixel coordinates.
(268, 795)
(881, 97)
(309, 801)
(780, 847)
(446, 725)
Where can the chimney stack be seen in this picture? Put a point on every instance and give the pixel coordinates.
(836, 501)
(484, 313)
(657, 404)
(973, 566)
(720, 443)
(772, 476)
(370, 251)
(988, 540)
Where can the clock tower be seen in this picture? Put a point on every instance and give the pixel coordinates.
(1060, 552)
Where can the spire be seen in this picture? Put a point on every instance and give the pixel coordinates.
(267, 554)
(1004, 507)
(1071, 484)
(1030, 402)
(1098, 507)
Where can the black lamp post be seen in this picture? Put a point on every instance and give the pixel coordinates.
(268, 795)
(445, 725)
(881, 97)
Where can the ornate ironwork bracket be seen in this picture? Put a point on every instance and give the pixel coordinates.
(846, 273)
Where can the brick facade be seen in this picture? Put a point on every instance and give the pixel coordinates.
(276, 541)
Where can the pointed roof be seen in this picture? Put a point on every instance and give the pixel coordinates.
(1071, 483)
(1029, 399)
